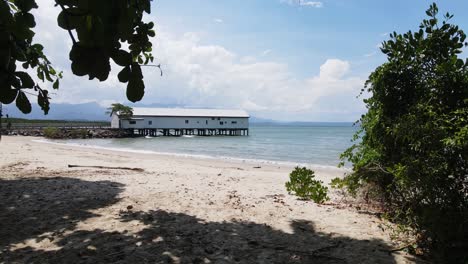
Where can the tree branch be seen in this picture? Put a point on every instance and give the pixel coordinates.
(150, 65)
(68, 24)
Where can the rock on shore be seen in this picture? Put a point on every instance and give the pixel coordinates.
(71, 133)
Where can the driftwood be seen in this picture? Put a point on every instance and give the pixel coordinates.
(105, 167)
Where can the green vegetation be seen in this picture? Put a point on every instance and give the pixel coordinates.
(302, 183)
(120, 109)
(413, 145)
(58, 133)
(97, 30)
(51, 132)
(78, 133)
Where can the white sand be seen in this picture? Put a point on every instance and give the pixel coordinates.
(179, 210)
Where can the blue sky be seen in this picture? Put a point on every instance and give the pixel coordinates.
(301, 36)
(295, 60)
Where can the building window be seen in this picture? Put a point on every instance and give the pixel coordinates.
(212, 118)
(206, 122)
(132, 122)
(150, 123)
(234, 122)
(219, 118)
(221, 123)
(186, 121)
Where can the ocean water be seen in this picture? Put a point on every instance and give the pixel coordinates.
(318, 144)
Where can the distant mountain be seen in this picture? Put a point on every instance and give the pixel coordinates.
(254, 119)
(87, 111)
(82, 112)
(95, 112)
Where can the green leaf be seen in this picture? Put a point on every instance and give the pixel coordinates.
(47, 75)
(22, 102)
(37, 47)
(40, 75)
(56, 84)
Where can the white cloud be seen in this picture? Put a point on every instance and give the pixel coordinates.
(201, 75)
(315, 4)
(334, 69)
(218, 20)
(371, 54)
(266, 52)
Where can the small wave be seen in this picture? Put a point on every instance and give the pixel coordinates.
(200, 156)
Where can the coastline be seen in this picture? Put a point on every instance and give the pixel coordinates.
(238, 211)
(235, 160)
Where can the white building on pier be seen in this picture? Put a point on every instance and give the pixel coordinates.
(180, 121)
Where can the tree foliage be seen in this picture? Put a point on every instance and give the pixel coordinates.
(100, 31)
(120, 109)
(413, 145)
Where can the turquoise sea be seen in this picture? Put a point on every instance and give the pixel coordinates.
(311, 143)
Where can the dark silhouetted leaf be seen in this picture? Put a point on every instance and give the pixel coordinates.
(135, 89)
(43, 101)
(25, 5)
(124, 74)
(8, 95)
(22, 102)
(26, 80)
(122, 58)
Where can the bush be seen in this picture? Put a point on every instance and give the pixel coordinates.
(78, 133)
(51, 132)
(303, 184)
(413, 146)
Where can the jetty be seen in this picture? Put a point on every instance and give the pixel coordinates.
(183, 121)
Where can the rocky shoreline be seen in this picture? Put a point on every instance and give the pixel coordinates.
(71, 133)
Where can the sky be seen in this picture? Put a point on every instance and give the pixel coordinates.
(288, 60)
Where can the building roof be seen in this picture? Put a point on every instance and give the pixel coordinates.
(189, 112)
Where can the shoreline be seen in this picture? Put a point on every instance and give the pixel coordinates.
(192, 209)
(234, 160)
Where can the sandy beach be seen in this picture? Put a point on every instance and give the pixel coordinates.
(177, 210)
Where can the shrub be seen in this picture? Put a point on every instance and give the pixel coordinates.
(303, 184)
(78, 133)
(51, 132)
(413, 145)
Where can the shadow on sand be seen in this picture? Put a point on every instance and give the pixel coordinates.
(30, 208)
